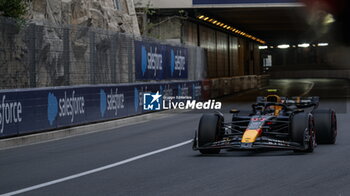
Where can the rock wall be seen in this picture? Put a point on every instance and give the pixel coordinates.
(13, 52)
(69, 42)
(112, 15)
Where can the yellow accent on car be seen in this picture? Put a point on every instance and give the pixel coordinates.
(272, 90)
(250, 136)
(277, 110)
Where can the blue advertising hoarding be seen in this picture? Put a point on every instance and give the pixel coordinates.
(150, 60)
(178, 60)
(155, 61)
(25, 111)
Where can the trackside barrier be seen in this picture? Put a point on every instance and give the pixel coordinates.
(231, 85)
(263, 80)
(253, 81)
(215, 88)
(236, 84)
(25, 111)
(226, 86)
(206, 87)
(343, 74)
(258, 82)
(245, 82)
(232, 90)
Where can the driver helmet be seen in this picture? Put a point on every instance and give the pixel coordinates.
(274, 108)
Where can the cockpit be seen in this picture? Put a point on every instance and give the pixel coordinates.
(275, 109)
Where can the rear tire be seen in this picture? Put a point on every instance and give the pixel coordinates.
(302, 127)
(209, 131)
(325, 126)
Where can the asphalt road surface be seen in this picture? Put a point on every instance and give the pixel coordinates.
(141, 159)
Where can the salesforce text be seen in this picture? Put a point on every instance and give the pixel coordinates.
(9, 113)
(71, 106)
(115, 101)
(154, 61)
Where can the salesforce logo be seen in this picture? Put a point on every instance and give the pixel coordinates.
(111, 102)
(196, 91)
(52, 107)
(67, 106)
(103, 102)
(143, 60)
(178, 62)
(182, 91)
(10, 113)
(168, 91)
(138, 97)
(151, 60)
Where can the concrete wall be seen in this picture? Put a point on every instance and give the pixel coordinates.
(219, 87)
(234, 60)
(311, 58)
(342, 74)
(168, 29)
(227, 55)
(312, 62)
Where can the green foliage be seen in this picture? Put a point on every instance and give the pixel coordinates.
(13, 8)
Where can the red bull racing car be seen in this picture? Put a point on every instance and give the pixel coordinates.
(274, 122)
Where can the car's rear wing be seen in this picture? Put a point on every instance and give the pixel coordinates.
(303, 101)
(300, 102)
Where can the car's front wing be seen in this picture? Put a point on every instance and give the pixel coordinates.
(262, 142)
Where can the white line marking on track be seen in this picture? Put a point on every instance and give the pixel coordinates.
(96, 170)
(312, 84)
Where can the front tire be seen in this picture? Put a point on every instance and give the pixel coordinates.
(209, 131)
(325, 126)
(302, 131)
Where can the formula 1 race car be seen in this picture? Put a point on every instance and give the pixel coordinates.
(274, 123)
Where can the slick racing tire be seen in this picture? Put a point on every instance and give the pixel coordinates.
(209, 131)
(325, 126)
(303, 128)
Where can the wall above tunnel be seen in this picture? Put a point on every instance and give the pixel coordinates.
(313, 57)
(227, 55)
(313, 61)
